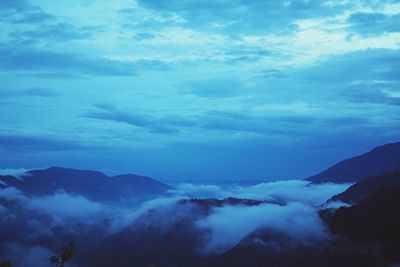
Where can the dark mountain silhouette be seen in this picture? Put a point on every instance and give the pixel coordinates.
(367, 187)
(93, 185)
(380, 160)
(374, 221)
(175, 243)
(208, 204)
(142, 245)
(163, 237)
(366, 234)
(264, 248)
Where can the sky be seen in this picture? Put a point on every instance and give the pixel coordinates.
(190, 90)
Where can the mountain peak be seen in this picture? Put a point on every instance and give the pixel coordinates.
(94, 185)
(382, 159)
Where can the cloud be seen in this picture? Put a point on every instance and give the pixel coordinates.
(383, 64)
(34, 226)
(144, 36)
(52, 32)
(245, 122)
(3, 210)
(54, 217)
(14, 4)
(145, 19)
(27, 256)
(63, 206)
(35, 143)
(12, 194)
(223, 122)
(273, 74)
(22, 12)
(243, 16)
(218, 228)
(28, 92)
(200, 191)
(374, 23)
(32, 219)
(218, 87)
(285, 68)
(371, 93)
(122, 217)
(37, 61)
(291, 190)
(245, 53)
(142, 120)
(294, 190)
(297, 218)
(295, 214)
(14, 172)
(209, 121)
(229, 225)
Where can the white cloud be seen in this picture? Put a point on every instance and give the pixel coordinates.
(122, 217)
(3, 210)
(64, 206)
(228, 225)
(200, 191)
(292, 190)
(12, 194)
(17, 173)
(296, 217)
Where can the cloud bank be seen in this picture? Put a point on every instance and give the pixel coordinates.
(285, 207)
(291, 190)
(227, 226)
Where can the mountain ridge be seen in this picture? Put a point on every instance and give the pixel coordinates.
(366, 187)
(93, 185)
(381, 159)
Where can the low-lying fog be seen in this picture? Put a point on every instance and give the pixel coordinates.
(33, 228)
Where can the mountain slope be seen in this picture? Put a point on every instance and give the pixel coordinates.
(165, 236)
(264, 248)
(380, 160)
(374, 221)
(90, 184)
(367, 187)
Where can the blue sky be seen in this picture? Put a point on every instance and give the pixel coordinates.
(195, 90)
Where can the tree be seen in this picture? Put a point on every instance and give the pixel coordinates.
(5, 264)
(65, 256)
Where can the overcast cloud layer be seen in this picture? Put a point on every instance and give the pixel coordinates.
(194, 89)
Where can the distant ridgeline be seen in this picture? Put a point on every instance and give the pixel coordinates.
(380, 160)
(365, 233)
(93, 185)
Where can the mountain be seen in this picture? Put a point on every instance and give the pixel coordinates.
(264, 248)
(367, 187)
(374, 221)
(380, 160)
(36, 212)
(166, 236)
(93, 185)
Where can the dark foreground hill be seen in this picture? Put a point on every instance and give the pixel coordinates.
(264, 248)
(93, 185)
(367, 187)
(373, 222)
(366, 234)
(380, 160)
(174, 241)
(165, 236)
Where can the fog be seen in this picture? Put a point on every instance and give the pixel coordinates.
(292, 190)
(230, 224)
(14, 172)
(40, 224)
(293, 211)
